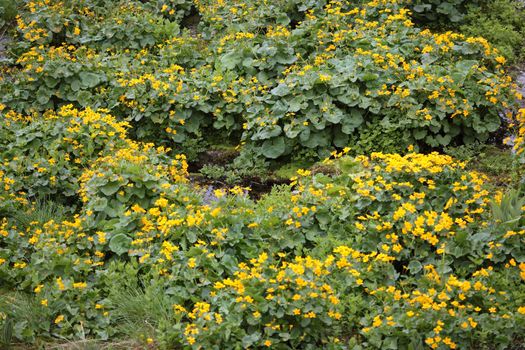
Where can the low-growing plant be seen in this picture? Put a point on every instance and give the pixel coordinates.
(8, 11)
(46, 154)
(497, 162)
(444, 13)
(104, 235)
(293, 88)
(498, 21)
(220, 270)
(501, 23)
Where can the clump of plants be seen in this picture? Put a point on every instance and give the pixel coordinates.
(377, 241)
(293, 87)
(499, 21)
(386, 243)
(8, 11)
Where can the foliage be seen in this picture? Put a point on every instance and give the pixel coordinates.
(8, 12)
(442, 12)
(132, 175)
(517, 141)
(245, 167)
(495, 161)
(501, 23)
(412, 233)
(46, 154)
(96, 23)
(498, 21)
(283, 84)
(104, 235)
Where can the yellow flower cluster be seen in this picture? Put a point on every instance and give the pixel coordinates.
(298, 287)
(518, 143)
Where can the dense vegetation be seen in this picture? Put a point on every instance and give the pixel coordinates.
(392, 239)
(498, 21)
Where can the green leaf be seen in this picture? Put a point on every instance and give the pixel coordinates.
(50, 81)
(191, 236)
(100, 204)
(340, 139)
(269, 132)
(333, 115)
(419, 134)
(443, 140)
(317, 139)
(369, 77)
(75, 85)
(83, 98)
(352, 121)
(231, 59)
(415, 266)
(110, 188)
(281, 90)
(120, 243)
(295, 104)
(229, 262)
(43, 96)
(273, 148)
(282, 19)
(422, 8)
(89, 79)
(249, 340)
(7, 333)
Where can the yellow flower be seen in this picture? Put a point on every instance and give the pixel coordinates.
(377, 321)
(80, 285)
(215, 212)
(219, 193)
(59, 319)
(60, 284)
(267, 343)
(101, 237)
(427, 49)
(324, 77)
(137, 209)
